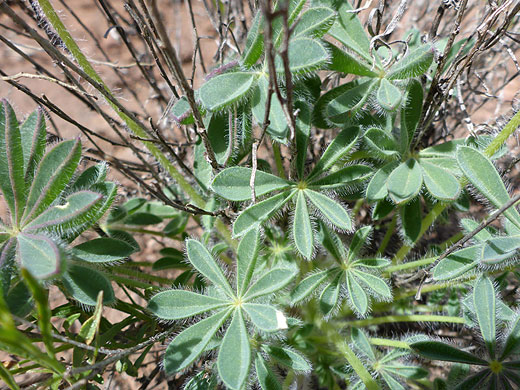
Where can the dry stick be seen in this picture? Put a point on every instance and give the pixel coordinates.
(493, 217)
(171, 58)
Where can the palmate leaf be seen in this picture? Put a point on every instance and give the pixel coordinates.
(234, 183)
(11, 162)
(190, 343)
(483, 175)
(265, 317)
(405, 182)
(377, 187)
(53, 174)
(178, 304)
(234, 357)
(302, 230)
(226, 89)
(330, 209)
(273, 280)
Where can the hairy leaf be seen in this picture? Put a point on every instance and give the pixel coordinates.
(302, 229)
(405, 182)
(177, 304)
(226, 89)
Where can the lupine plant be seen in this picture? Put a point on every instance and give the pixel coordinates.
(292, 219)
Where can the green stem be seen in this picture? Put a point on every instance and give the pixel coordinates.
(389, 343)
(388, 235)
(411, 265)
(142, 275)
(278, 160)
(403, 318)
(357, 207)
(342, 347)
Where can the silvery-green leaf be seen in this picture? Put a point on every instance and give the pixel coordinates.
(435, 350)
(377, 187)
(103, 249)
(39, 255)
(204, 262)
(338, 148)
(411, 108)
(405, 182)
(53, 174)
(33, 133)
(302, 229)
(357, 296)
(217, 129)
(303, 132)
(381, 144)
(330, 209)
(305, 55)
(349, 177)
(12, 170)
(330, 295)
(254, 42)
(266, 377)
(273, 280)
(388, 95)
(344, 106)
(190, 343)
(308, 286)
(234, 183)
(84, 284)
(458, 263)
(439, 182)
(277, 122)
(360, 340)
(413, 64)
(360, 239)
(373, 283)
(319, 113)
(347, 63)
(247, 254)
(265, 317)
(288, 358)
(314, 22)
(498, 249)
(481, 172)
(226, 89)
(255, 215)
(512, 342)
(411, 218)
(234, 357)
(484, 302)
(177, 304)
(469, 225)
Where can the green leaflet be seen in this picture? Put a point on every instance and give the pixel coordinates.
(190, 343)
(475, 381)
(483, 175)
(349, 176)
(305, 55)
(436, 350)
(288, 358)
(377, 187)
(457, 264)
(76, 211)
(405, 182)
(347, 63)
(391, 382)
(234, 183)
(381, 143)
(414, 64)
(302, 229)
(329, 296)
(53, 174)
(330, 209)
(277, 123)
(360, 340)
(84, 284)
(48, 255)
(255, 42)
(181, 112)
(226, 89)
(266, 377)
(247, 254)
(345, 105)
(319, 113)
(255, 215)
(373, 283)
(103, 250)
(484, 302)
(314, 22)
(388, 95)
(357, 297)
(265, 317)
(498, 249)
(469, 225)
(339, 147)
(234, 356)
(178, 304)
(411, 217)
(513, 340)
(308, 286)
(303, 132)
(439, 182)
(411, 109)
(217, 128)
(12, 162)
(90, 328)
(361, 238)
(203, 262)
(90, 176)
(274, 280)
